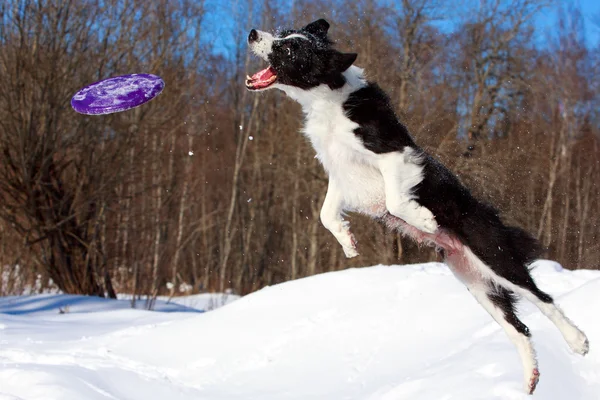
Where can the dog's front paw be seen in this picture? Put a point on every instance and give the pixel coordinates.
(349, 242)
(429, 225)
(422, 219)
(350, 252)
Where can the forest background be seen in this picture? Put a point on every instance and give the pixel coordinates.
(212, 188)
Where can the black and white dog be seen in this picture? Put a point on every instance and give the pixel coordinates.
(375, 168)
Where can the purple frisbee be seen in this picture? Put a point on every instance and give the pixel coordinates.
(117, 94)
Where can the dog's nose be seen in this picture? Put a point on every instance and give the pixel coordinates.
(253, 36)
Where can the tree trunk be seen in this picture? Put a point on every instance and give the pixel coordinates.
(239, 160)
(157, 223)
(313, 236)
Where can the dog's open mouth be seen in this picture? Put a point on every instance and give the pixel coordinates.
(262, 79)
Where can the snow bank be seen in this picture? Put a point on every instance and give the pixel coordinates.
(402, 332)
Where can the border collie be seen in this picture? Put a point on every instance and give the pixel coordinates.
(375, 168)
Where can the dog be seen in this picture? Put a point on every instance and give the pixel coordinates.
(375, 168)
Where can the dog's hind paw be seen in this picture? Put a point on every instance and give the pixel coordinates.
(580, 344)
(533, 381)
(585, 348)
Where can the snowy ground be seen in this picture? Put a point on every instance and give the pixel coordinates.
(382, 333)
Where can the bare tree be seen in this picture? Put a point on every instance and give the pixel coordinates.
(494, 70)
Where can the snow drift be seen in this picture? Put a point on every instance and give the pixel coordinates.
(401, 332)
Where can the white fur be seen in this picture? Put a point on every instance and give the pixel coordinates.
(292, 36)
(331, 217)
(574, 337)
(401, 173)
(263, 45)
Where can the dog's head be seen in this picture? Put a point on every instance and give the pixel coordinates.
(301, 58)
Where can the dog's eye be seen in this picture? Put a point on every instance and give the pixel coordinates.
(286, 47)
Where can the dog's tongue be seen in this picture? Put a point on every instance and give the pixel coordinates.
(262, 78)
(263, 75)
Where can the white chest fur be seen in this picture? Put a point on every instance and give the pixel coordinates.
(346, 160)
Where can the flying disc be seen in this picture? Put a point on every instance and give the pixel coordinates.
(117, 94)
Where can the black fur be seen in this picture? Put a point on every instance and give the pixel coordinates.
(380, 130)
(506, 300)
(318, 28)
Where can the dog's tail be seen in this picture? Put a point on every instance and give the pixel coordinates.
(507, 250)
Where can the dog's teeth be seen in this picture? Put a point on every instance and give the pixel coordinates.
(248, 77)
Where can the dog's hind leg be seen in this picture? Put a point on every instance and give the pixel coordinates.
(516, 278)
(575, 338)
(500, 304)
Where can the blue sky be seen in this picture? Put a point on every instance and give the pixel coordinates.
(221, 29)
(590, 10)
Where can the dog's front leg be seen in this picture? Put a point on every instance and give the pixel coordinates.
(401, 173)
(331, 218)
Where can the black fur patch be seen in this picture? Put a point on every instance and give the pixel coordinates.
(380, 130)
(318, 28)
(506, 301)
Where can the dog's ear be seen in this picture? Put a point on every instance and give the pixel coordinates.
(338, 63)
(318, 28)
(343, 61)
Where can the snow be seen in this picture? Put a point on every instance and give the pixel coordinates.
(378, 333)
